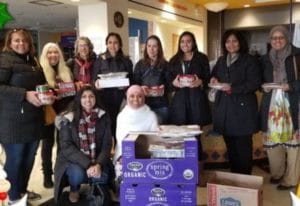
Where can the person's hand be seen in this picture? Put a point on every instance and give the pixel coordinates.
(94, 171)
(32, 98)
(197, 82)
(145, 89)
(176, 82)
(214, 80)
(285, 87)
(226, 87)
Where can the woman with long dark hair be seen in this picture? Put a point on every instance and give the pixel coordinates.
(85, 144)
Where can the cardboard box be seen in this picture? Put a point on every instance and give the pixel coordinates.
(229, 189)
(113, 82)
(176, 161)
(158, 195)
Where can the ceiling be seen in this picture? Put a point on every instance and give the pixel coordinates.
(61, 15)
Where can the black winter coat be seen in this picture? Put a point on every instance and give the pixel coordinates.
(152, 76)
(70, 149)
(294, 86)
(190, 102)
(236, 114)
(20, 121)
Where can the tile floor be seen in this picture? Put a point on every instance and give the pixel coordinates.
(271, 196)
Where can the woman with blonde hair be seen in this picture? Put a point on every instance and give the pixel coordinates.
(55, 71)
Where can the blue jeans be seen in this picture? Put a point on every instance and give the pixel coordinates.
(76, 175)
(162, 114)
(18, 165)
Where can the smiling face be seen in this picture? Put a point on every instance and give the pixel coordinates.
(19, 43)
(83, 49)
(278, 40)
(53, 56)
(135, 97)
(232, 44)
(113, 45)
(152, 49)
(88, 101)
(186, 44)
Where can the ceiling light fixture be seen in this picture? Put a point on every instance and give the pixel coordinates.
(216, 6)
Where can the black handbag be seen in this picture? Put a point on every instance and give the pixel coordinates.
(95, 196)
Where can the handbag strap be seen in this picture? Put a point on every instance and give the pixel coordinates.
(295, 67)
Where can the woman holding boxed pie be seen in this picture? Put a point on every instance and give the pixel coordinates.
(280, 109)
(112, 61)
(151, 73)
(56, 72)
(237, 76)
(21, 111)
(189, 76)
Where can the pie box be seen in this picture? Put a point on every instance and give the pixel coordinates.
(186, 79)
(66, 89)
(158, 194)
(226, 189)
(111, 83)
(148, 158)
(155, 91)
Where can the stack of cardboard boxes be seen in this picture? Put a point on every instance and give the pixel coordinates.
(159, 170)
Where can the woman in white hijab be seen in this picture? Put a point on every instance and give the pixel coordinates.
(136, 116)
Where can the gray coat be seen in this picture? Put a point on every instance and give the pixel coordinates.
(69, 151)
(236, 114)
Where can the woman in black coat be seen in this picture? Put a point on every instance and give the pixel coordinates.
(113, 60)
(21, 114)
(235, 110)
(85, 144)
(151, 72)
(189, 103)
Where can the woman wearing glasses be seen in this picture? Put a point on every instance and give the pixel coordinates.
(280, 107)
(21, 114)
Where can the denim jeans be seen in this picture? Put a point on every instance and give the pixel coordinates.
(162, 114)
(18, 165)
(76, 175)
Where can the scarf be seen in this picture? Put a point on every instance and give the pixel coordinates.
(231, 58)
(84, 71)
(87, 133)
(278, 61)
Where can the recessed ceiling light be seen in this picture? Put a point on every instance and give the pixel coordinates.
(129, 12)
(75, 0)
(247, 5)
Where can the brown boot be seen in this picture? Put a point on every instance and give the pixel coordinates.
(74, 196)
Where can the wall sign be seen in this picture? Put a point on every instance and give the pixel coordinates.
(118, 19)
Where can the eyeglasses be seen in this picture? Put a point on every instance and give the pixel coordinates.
(274, 38)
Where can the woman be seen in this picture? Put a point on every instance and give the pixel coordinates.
(21, 114)
(189, 104)
(85, 145)
(235, 110)
(282, 147)
(151, 71)
(55, 71)
(135, 116)
(82, 63)
(113, 60)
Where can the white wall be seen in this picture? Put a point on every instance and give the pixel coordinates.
(165, 32)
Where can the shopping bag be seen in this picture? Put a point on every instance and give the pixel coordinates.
(280, 126)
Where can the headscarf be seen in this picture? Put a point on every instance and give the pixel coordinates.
(278, 57)
(135, 89)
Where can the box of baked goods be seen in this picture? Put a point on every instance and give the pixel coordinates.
(160, 157)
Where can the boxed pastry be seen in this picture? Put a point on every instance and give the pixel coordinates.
(154, 158)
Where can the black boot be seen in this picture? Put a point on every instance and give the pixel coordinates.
(48, 183)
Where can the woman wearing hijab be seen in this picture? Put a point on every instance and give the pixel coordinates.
(280, 66)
